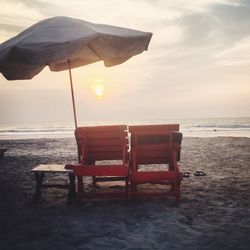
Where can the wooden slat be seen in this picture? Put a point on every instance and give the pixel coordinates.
(105, 141)
(105, 135)
(154, 128)
(152, 154)
(154, 147)
(96, 170)
(98, 156)
(101, 129)
(153, 139)
(116, 178)
(51, 168)
(155, 160)
(105, 148)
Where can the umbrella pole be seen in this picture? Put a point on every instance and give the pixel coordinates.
(72, 94)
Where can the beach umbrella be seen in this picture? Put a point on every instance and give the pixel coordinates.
(64, 43)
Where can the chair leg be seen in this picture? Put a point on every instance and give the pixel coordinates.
(93, 178)
(127, 185)
(177, 192)
(133, 190)
(94, 181)
(79, 187)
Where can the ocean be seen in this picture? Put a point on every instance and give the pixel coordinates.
(195, 127)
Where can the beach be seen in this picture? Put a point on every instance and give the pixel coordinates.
(213, 214)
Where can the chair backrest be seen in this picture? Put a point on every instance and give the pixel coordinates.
(154, 144)
(99, 143)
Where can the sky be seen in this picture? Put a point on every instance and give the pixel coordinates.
(197, 64)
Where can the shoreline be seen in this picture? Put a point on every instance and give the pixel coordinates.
(241, 134)
(213, 214)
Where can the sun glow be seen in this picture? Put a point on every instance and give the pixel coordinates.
(98, 89)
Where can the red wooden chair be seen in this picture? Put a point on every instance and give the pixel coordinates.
(152, 145)
(98, 144)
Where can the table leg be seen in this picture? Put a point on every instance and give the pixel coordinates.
(39, 181)
(72, 188)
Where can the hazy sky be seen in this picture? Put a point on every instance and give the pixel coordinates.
(197, 65)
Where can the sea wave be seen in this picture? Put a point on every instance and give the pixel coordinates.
(226, 126)
(239, 127)
(35, 130)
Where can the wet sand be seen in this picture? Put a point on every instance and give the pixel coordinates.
(213, 214)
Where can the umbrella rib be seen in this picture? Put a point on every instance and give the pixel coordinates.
(90, 47)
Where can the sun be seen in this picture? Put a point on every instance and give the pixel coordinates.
(99, 91)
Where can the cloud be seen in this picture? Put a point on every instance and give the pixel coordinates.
(35, 4)
(221, 23)
(238, 54)
(204, 35)
(15, 16)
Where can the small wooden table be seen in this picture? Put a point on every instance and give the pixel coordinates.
(39, 173)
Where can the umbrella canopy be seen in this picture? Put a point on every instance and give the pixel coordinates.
(57, 40)
(64, 43)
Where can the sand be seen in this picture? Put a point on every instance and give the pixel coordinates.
(214, 212)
